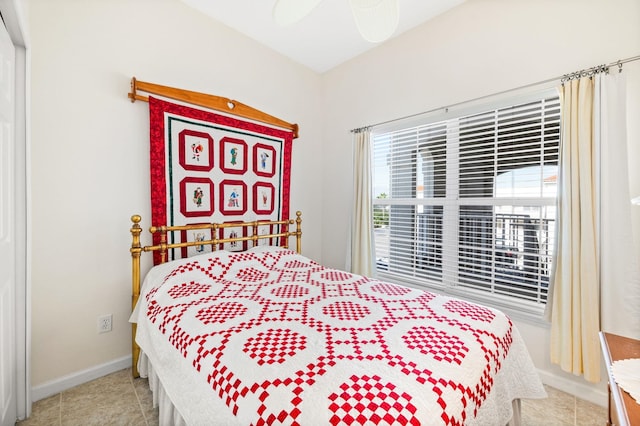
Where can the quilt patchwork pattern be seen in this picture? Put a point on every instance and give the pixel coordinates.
(280, 339)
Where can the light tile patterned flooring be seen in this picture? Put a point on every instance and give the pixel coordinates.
(118, 399)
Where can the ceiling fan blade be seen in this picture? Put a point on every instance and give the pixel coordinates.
(287, 12)
(376, 20)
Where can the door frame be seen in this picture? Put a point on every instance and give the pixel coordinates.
(14, 16)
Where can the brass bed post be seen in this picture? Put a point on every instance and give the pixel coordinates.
(136, 249)
(254, 235)
(299, 231)
(163, 241)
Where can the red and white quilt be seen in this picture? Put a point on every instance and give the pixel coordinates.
(269, 336)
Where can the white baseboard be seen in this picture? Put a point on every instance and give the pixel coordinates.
(579, 390)
(67, 382)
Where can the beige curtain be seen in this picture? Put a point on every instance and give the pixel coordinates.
(362, 250)
(574, 296)
(619, 255)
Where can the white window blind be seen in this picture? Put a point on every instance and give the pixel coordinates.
(470, 202)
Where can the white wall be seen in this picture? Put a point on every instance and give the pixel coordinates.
(479, 48)
(90, 153)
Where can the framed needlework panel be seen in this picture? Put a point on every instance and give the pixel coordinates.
(196, 235)
(209, 167)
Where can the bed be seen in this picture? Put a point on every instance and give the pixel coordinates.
(265, 335)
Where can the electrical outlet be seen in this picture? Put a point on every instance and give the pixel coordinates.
(104, 323)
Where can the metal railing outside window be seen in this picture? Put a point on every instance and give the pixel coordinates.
(469, 202)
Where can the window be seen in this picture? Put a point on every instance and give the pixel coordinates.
(469, 203)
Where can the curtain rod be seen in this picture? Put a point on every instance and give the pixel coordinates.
(563, 78)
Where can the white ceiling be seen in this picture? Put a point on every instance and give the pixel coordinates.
(322, 40)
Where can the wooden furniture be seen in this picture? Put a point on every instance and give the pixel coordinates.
(623, 409)
(217, 103)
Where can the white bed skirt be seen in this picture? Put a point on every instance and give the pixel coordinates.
(169, 415)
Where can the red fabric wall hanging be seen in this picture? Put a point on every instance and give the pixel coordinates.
(207, 167)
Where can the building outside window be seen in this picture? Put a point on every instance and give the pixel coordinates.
(466, 202)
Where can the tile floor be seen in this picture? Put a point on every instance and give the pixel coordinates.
(118, 399)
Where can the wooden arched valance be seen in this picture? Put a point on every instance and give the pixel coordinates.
(216, 103)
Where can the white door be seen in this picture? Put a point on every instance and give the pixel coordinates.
(8, 373)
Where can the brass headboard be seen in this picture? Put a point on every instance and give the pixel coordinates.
(163, 248)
